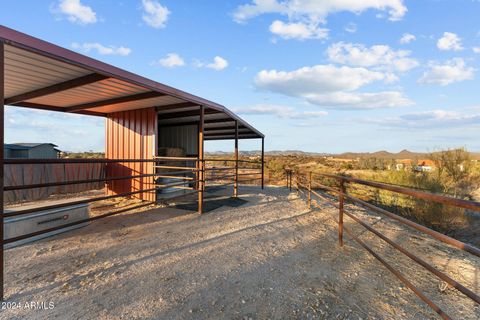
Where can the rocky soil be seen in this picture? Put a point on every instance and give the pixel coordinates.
(272, 258)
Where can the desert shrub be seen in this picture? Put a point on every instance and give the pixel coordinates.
(455, 174)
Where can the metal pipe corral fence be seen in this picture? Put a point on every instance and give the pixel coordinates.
(312, 178)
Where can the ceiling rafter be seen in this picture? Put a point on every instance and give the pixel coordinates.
(129, 98)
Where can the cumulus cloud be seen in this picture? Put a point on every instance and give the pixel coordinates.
(218, 64)
(407, 38)
(155, 15)
(172, 60)
(376, 56)
(77, 12)
(298, 30)
(356, 100)
(101, 49)
(429, 119)
(449, 42)
(279, 111)
(318, 10)
(304, 16)
(454, 70)
(331, 86)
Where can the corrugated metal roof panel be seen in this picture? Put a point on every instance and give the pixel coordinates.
(101, 90)
(26, 71)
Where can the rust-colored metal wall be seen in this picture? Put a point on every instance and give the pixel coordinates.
(131, 135)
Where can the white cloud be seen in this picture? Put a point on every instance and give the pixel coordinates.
(304, 16)
(351, 28)
(331, 86)
(155, 15)
(407, 38)
(454, 70)
(375, 56)
(298, 30)
(77, 12)
(324, 78)
(279, 111)
(172, 60)
(101, 49)
(354, 100)
(449, 41)
(476, 49)
(316, 10)
(430, 119)
(218, 64)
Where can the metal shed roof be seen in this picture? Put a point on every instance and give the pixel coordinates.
(42, 75)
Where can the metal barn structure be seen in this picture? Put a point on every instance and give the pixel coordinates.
(142, 117)
(31, 150)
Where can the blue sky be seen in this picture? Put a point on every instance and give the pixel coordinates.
(323, 76)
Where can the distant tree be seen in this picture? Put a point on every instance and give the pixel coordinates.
(455, 171)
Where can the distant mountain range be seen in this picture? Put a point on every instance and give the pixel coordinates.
(404, 154)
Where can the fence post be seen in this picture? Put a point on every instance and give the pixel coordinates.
(297, 187)
(235, 179)
(201, 163)
(340, 212)
(290, 174)
(310, 190)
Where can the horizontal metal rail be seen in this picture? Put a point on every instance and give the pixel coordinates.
(66, 204)
(343, 195)
(64, 183)
(437, 235)
(74, 160)
(400, 276)
(182, 188)
(233, 160)
(466, 204)
(418, 260)
(176, 172)
(176, 167)
(175, 177)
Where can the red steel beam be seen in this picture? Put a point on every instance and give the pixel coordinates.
(130, 98)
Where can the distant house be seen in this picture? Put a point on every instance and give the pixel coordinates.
(418, 166)
(424, 166)
(31, 151)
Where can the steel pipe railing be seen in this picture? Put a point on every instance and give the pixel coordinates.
(343, 196)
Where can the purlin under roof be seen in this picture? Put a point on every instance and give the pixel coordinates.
(42, 75)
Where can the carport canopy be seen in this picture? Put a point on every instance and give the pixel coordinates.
(41, 75)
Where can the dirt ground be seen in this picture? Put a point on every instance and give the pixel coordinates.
(271, 258)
